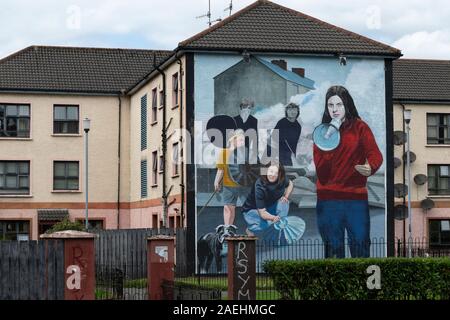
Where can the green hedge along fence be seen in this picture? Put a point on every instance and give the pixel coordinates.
(346, 279)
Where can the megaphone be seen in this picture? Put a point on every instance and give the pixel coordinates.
(326, 136)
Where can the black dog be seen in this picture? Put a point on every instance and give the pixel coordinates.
(211, 246)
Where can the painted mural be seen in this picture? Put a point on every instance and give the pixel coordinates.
(290, 150)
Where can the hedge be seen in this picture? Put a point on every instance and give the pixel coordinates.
(346, 279)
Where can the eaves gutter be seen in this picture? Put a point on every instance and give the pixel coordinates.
(422, 101)
(60, 92)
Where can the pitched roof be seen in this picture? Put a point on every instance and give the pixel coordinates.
(78, 70)
(265, 26)
(288, 75)
(421, 80)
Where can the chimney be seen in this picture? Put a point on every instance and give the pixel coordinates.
(299, 71)
(281, 63)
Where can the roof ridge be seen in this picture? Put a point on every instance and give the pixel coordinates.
(222, 23)
(329, 25)
(423, 60)
(97, 48)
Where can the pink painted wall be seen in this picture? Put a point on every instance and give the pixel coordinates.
(419, 222)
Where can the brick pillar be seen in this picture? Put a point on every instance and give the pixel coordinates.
(241, 268)
(79, 263)
(161, 267)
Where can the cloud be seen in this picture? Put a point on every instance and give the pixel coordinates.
(423, 44)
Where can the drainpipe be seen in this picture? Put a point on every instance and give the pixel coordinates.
(404, 172)
(164, 144)
(119, 96)
(181, 146)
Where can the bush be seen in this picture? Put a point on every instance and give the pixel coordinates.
(66, 224)
(346, 279)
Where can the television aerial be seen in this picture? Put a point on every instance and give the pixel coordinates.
(208, 15)
(230, 7)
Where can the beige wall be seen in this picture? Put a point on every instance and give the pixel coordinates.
(426, 154)
(154, 141)
(43, 148)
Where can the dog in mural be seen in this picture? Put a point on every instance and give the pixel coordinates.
(212, 246)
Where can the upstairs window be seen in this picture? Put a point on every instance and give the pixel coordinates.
(65, 119)
(66, 175)
(14, 121)
(438, 128)
(154, 106)
(14, 177)
(175, 90)
(439, 179)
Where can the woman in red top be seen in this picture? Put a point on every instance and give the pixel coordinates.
(342, 199)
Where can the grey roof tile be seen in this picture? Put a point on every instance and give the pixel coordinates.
(266, 26)
(421, 80)
(72, 69)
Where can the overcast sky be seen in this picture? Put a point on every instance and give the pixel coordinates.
(421, 29)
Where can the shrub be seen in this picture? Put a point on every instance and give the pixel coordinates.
(66, 224)
(346, 279)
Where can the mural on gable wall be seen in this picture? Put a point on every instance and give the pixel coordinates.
(291, 150)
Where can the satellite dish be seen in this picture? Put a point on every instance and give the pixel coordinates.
(399, 138)
(420, 179)
(326, 137)
(412, 156)
(400, 190)
(397, 163)
(427, 204)
(400, 212)
(220, 125)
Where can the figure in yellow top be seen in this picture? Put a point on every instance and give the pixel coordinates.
(231, 190)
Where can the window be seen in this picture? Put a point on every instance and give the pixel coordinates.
(14, 177)
(66, 175)
(154, 106)
(93, 224)
(14, 120)
(175, 159)
(438, 179)
(155, 168)
(15, 230)
(161, 99)
(155, 221)
(178, 222)
(144, 192)
(161, 163)
(144, 122)
(438, 128)
(172, 222)
(65, 119)
(175, 90)
(439, 232)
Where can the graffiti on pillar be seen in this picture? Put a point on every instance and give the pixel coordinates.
(242, 271)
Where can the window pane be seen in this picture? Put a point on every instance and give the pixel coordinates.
(60, 113)
(23, 129)
(23, 182)
(2, 182)
(2, 111)
(23, 168)
(24, 111)
(11, 111)
(444, 171)
(11, 168)
(2, 167)
(72, 169)
(72, 113)
(175, 154)
(11, 182)
(60, 169)
(432, 119)
(72, 127)
(72, 184)
(59, 184)
(432, 132)
(11, 126)
(443, 183)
